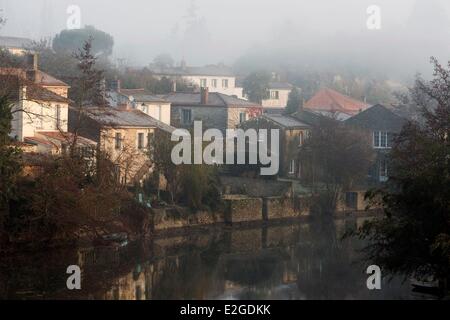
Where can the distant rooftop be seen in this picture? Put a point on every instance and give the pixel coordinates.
(126, 118)
(141, 95)
(215, 99)
(285, 121)
(331, 100)
(15, 42)
(209, 70)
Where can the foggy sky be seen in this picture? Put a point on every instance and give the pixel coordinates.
(212, 31)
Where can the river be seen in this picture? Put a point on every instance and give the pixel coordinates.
(301, 260)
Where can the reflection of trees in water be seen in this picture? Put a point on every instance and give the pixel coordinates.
(305, 260)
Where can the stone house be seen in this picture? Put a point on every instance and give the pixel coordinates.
(293, 132)
(381, 125)
(123, 134)
(215, 110)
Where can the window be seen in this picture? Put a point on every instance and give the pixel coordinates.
(149, 139)
(186, 116)
(292, 167)
(300, 139)
(140, 141)
(381, 139)
(159, 113)
(351, 200)
(214, 83)
(383, 170)
(242, 117)
(225, 83)
(274, 95)
(144, 108)
(118, 141)
(203, 83)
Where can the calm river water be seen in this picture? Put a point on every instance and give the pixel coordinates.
(295, 261)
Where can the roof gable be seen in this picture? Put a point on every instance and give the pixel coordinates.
(378, 117)
(331, 100)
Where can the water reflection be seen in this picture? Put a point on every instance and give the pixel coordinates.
(296, 261)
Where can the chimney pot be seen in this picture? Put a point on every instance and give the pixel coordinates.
(204, 96)
(32, 61)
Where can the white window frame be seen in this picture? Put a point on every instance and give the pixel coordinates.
(292, 167)
(379, 137)
(225, 83)
(214, 83)
(274, 94)
(203, 83)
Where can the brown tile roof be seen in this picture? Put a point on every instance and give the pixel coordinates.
(64, 137)
(11, 79)
(47, 80)
(38, 93)
(331, 100)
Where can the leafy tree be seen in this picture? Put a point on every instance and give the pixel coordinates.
(68, 41)
(334, 158)
(256, 86)
(193, 185)
(413, 236)
(163, 61)
(295, 101)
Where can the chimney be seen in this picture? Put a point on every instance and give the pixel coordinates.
(174, 86)
(32, 67)
(124, 106)
(32, 61)
(204, 96)
(116, 85)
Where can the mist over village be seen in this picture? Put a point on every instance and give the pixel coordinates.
(224, 150)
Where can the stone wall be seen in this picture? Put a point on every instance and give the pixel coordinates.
(255, 187)
(237, 209)
(243, 209)
(170, 218)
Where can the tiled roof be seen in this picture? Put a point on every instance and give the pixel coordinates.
(45, 79)
(64, 137)
(12, 82)
(15, 42)
(331, 100)
(126, 118)
(378, 117)
(285, 121)
(141, 95)
(35, 92)
(215, 99)
(42, 78)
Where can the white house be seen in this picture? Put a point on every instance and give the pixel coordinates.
(278, 95)
(142, 100)
(217, 78)
(40, 108)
